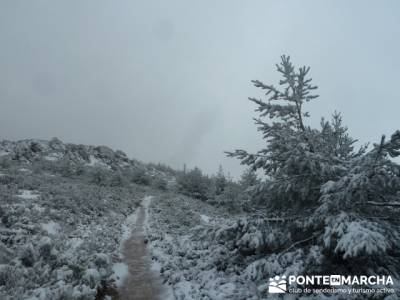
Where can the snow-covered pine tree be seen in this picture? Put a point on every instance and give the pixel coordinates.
(220, 181)
(296, 159)
(249, 179)
(359, 212)
(331, 202)
(193, 183)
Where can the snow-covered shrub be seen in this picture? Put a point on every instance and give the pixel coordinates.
(249, 179)
(5, 162)
(232, 197)
(45, 246)
(359, 210)
(361, 239)
(118, 178)
(9, 276)
(163, 168)
(249, 236)
(91, 277)
(100, 176)
(219, 181)
(27, 255)
(60, 232)
(140, 176)
(220, 256)
(194, 184)
(160, 183)
(101, 260)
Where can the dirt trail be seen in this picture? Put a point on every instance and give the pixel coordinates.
(141, 283)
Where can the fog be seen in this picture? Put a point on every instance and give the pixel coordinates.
(168, 81)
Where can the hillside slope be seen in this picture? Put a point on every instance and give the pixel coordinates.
(64, 211)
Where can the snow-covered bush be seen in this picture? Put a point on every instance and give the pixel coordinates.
(212, 255)
(100, 176)
(140, 176)
(194, 184)
(10, 276)
(61, 228)
(232, 197)
(160, 183)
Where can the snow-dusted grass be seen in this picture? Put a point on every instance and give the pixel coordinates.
(52, 228)
(127, 226)
(204, 254)
(53, 157)
(27, 195)
(96, 162)
(205, 219)
(195, 266)
(60, 236)
(167, 292)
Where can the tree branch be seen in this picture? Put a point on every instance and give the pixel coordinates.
(393, 204)
(299, 242)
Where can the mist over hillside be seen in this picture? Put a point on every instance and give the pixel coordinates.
(87, 222)
(199, 150)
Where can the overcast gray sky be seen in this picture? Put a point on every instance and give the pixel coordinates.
(168, 80)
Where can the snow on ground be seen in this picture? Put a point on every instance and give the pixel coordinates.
(120, 273)
(195, 266)
(52, 228)
(201, 252)
(128, 225)
(75, 242)
(121, 269)
(53, 156)
(60, 237)
(204, 254)
(205, 219)
(96, 162)
(28, 195)
(146, 202)
(38, 208)
(167, 292)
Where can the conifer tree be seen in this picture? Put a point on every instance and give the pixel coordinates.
(248, 179)
(336, 203)
(193, 183)
(296, 159)
(220, 181)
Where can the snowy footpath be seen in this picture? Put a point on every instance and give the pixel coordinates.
(139, 281)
